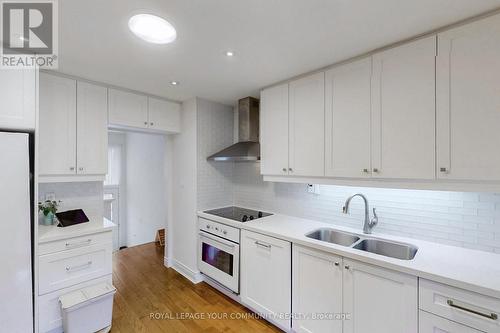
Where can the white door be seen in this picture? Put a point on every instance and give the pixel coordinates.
(316, 291)
(379, 300)
(16, 313)
(429, 323)
(274, 130)
(266, 276)
(468, 101)
(347, 120)
(307, 126)
(403, 111)
(92, 129)
(57, 125)
(164, 115)
(17, 99)
(128, 109)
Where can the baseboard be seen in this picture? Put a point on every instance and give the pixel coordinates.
(167, 262)
(193, 276)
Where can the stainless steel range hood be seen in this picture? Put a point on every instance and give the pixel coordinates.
(248, 147)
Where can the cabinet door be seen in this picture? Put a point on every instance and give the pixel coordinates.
(307, 126)
(128, 109)
(274, 130)
(164, 115)
(379, 300)
(429, 323)
(92, 129)
(266, 276)
(17, 99)
(317, 290)
(347, 120)
(403, 111)
(468, 101)
(57, 125)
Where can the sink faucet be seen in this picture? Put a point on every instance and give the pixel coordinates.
(369, 224)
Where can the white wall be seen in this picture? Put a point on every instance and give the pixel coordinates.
(85, 195)
(146, 191)
(470, 220)
(184, 227)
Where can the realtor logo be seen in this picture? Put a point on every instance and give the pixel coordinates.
(29, 34)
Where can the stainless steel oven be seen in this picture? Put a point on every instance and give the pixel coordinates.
(219, 253)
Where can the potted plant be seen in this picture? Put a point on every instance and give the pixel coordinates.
(49, 209)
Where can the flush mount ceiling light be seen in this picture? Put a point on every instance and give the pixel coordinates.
(174, 83)
(229, 53)
(152, 29)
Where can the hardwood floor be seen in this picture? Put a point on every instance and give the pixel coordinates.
(153, 298)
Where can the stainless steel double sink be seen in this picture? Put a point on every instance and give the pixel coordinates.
(378, 246)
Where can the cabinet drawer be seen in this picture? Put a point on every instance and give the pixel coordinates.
(429, 323)
(74, 243)
(49, 310)
(471, 309)
(67, 268)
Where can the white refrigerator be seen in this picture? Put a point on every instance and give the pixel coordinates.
(16, 289)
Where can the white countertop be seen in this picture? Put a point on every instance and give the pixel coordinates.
(473, 270)
(53, 233)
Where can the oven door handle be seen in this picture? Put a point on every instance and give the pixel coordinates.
(217, 240)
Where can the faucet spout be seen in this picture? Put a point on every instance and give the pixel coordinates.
(368, 224)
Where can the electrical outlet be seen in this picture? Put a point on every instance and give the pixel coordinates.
(313, 188)
(50, 196)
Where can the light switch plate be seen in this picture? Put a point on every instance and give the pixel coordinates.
(313, 188)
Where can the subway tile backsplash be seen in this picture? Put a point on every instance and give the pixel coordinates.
(470, 220)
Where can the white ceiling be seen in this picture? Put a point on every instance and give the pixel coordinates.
(272, 39)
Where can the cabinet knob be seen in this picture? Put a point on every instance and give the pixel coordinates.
(145, 123)
(444, 170)
(151, 124)
(365, 171)
(347, 267)
(375, 170)
(290, 169)
(81, 169)
(72, 168)
(284, 169)
(336, 263)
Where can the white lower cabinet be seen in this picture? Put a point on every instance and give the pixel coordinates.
(429, 323)
(316, 291)
(266, 276)
(379, 300)
(358, 297)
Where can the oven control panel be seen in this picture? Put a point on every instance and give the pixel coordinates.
(219, 229)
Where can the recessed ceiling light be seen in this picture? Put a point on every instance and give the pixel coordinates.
(229, 53)
(174, 83)
(151, 28)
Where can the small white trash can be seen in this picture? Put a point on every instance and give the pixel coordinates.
(89, 309)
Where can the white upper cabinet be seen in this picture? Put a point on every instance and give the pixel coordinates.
(17, 99)
(316, 289)
(164, 115)
(128, 109)
(379, 300)
(468, 101)
(57, 125)
(347, 120)
(307, 126)
(403, 111)
(92, 129)
(274, 130)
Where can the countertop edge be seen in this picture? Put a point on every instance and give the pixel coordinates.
(54, 233)
(367, 258)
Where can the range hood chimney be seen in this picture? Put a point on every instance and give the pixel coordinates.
(248, 148)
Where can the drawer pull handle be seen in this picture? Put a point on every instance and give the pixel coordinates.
(492, 316)
(72, 268)
(85, 242)
(267, 246)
